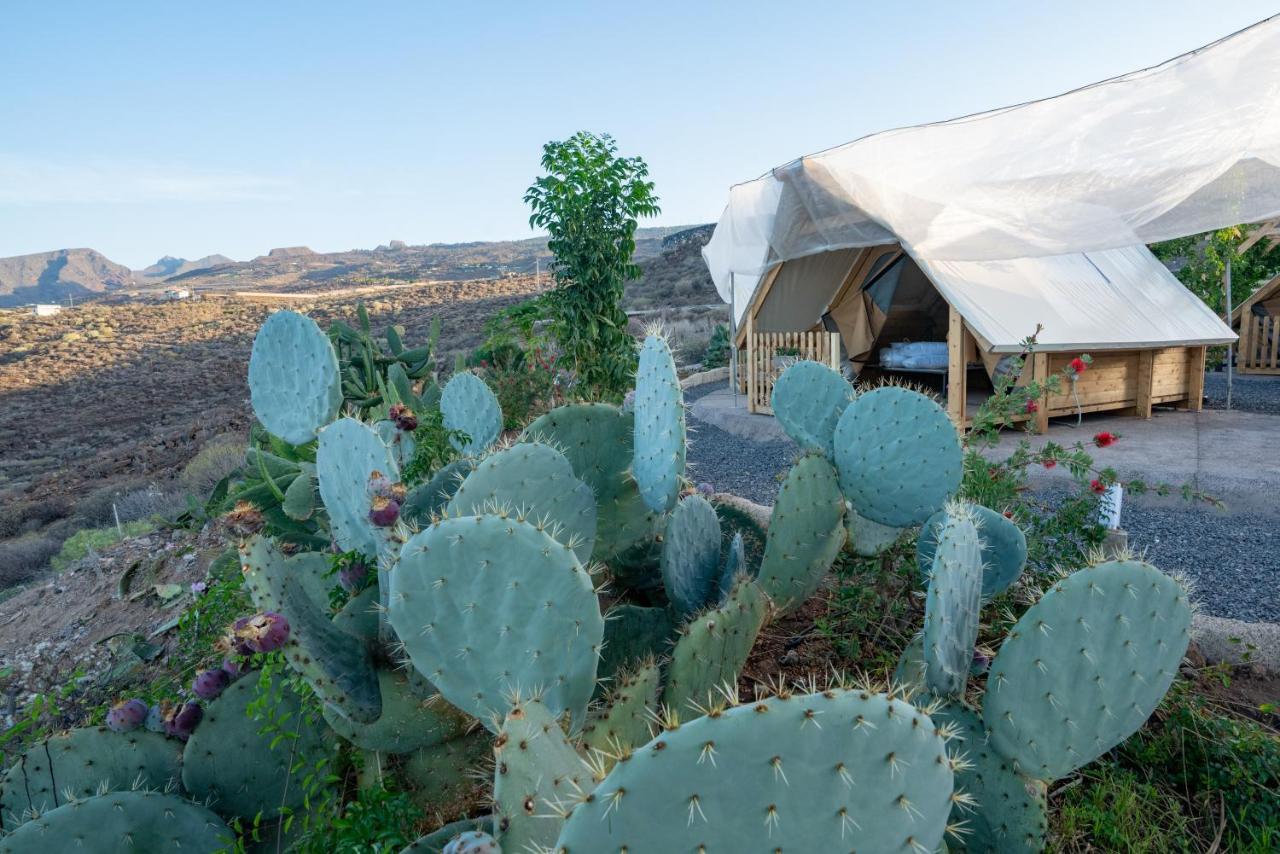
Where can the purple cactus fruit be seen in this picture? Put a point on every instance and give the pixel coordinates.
(127, 715)
(265, 632)
(384, 512)
(233, 667)
(706, 490)
(156, 717)
(981, 661)
(403, 417)
(353, 575)
(209, 684)
(183, 722)
(236, 642)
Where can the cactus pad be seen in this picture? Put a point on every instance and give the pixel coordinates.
(241, 764)
(909, 672)
(350, 456)
(444, 776)
(1004, 548)
(808, 400)
(413, 716)
(898, 455)
(536, 769)
(337, 664)
(952, 604)
(735, 564)
(400, 442)
(691, 555)
(468, 405)
(487, 606)
(537, 482)
(294, 382)
(833, 771)
(867, 538)
(713, 648)
(806, 532)
(633, 633)
(658, 454)
(82, 761)
(1085, 666)
(428, 500)
(623, 722)
(122, 821)
(596, 439)
(438, 841)
(1010, 813)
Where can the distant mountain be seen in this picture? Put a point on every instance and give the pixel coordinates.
(675, 276)
(55, 276)
(170, 266)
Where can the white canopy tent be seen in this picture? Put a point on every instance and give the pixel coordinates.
(1183, 147)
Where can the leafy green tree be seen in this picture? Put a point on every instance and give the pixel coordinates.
(589, 202)
(1200, 260)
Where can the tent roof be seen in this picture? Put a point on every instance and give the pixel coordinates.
(1184, 147)
(1108, 299)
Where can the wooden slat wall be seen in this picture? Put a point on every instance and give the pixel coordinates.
(762, 347)
(1260, 345)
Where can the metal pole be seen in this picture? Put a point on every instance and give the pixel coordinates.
(733, 340)
(1226, 287)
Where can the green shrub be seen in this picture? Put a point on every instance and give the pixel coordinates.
(23, 557)
(81, 543)
(1112, 809)
(219, 457)
(717, 354)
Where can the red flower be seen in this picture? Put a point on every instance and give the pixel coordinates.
(1032, 406)
(1078, 365)
(1104, 439)
(1098, 486)
(1008, 514)
(1049, 463)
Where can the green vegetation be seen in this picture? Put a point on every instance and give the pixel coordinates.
(81, 543)
(1201, 259)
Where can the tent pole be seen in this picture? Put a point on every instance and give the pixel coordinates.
(1226, 287)
(733, 340)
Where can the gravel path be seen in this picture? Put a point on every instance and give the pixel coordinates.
(1251, 393)
(1232, 558)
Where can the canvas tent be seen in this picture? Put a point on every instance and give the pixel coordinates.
(1033, 214)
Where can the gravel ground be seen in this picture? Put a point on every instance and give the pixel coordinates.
(1232, 558)
(1252, 393)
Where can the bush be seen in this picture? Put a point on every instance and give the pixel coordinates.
(33, 514)
(145, 504)
(717, 355)
(219, 457)
(23, 558)
(96, 507)
(80, 544)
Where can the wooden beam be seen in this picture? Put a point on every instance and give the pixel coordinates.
(1040, 373)
(1195, 378)
(833, 346)
(751, 361)
(1146, 382)
(956, 391)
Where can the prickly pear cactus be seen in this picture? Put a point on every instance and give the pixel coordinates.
(413, 717)
(240, 765)
(428, 500)
(488, 606)
(712, 649)
(458, 834)
(468, 405)
(898, 455)
(952, 603)
(909, 673)
(632, 634)
(1009, 813)
(81, 762)
(536, 481)
(294, 383)
(867, 538)
(335, 663)
(624, 720)
(735, 564)
(596, 438)
(1004, 548)
(658, 457)
(808, 400)
(691, 555)
(473, 842)
(446, 773)
(806, 532)
(834, 771)
(400, 442)
(1086, 666)
(122, 821)
(350, 462)
(536, 771)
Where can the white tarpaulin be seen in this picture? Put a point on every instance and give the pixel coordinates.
(1106, 299)
(1183, 147)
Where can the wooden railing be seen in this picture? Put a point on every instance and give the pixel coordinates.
(768, 353)
(1259, 345)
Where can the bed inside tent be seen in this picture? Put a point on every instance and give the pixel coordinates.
(949, 327)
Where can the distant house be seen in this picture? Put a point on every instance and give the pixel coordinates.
(177, 293)
(42, 309)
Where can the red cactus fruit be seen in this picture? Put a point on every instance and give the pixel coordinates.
(127, 715)
(384, 512)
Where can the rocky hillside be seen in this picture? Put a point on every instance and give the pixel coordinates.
(169, 266)
(55, 276)
(676, 276)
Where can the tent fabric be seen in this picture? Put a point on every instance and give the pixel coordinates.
(1108, 299)
(802, 290)
(1184, 147)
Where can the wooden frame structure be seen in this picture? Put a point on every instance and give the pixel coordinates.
(1259, 347)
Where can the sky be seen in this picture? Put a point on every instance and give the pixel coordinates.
(147, 129)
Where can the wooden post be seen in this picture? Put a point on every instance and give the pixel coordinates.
(955, 368)
(751, 361)
(833, 345)
(1246, 340)
(1040, 373)
(1195, 378)
(1146, 382)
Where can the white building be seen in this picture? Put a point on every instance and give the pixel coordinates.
(41, 309)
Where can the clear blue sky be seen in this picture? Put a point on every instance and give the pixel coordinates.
(144, 129)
